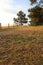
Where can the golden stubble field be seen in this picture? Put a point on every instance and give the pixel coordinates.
(21, 45)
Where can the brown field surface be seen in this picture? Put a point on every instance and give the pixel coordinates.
(21, 45)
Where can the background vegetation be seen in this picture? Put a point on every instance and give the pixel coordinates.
(36, 14)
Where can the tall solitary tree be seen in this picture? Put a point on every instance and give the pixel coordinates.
(21, 18)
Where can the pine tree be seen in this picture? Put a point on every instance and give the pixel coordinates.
(36, 13)
(21, 18)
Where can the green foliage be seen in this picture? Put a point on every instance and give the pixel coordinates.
(33, 1)
(37, 2)
(36, 15)
(21, 18)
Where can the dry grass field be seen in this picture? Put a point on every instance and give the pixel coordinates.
(21, 45)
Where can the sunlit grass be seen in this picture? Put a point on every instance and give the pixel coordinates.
(23, 45)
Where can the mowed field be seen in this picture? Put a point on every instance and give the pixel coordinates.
(21, 45)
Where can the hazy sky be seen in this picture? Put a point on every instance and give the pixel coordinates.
(9, 9)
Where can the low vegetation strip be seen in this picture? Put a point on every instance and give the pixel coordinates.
(22, 46)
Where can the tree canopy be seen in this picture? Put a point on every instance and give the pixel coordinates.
(33, 1)
(36, 1)
(36, 15)
(21, 18)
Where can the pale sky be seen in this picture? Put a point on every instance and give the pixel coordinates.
(9, 9)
